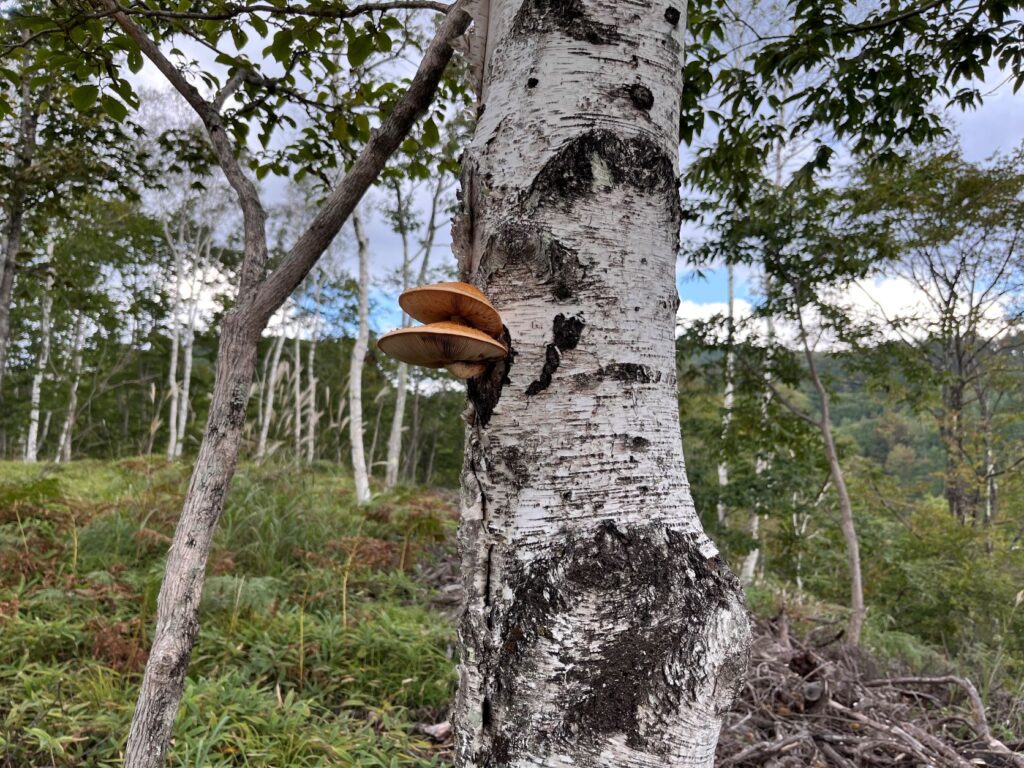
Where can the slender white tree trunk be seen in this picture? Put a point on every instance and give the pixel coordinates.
(355, 381)
(312, 414)
(268, 406)
(398, 420)
(183, 390)
(728, 397)
(297, 393)
(601, 628)
(397, 425)
(172, 368)
(67, 431)
(846, 524)
(32, 442)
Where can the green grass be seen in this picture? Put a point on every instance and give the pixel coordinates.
(316, 647)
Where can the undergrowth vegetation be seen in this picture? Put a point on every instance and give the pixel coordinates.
(318, 646)
(323, 640)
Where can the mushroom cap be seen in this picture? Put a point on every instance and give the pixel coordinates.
(443, 301)
(439, 344)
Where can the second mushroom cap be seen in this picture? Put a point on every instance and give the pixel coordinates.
(440, 344)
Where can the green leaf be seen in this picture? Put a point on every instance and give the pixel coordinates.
(431, 137)
(359, 49)
(84, 96)
(114, 108)
(134, 60)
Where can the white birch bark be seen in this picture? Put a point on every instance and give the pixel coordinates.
(67, 430)
(355, 381)
(185, 387)
(188, 342)
(312, 414)
(393, 462)
(268, 406)
(729, 395)
(846, 523)
(397, 425)
(297, 392)
(32, 440)
(602, 628)
(172, 368)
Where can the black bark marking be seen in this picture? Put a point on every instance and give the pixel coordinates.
(566, 16)
(638, 161)
(551, 262)
(672, 16)
(516, 463)
(638, 443)
(532, 82)
(630, 373)
(641, 97)
(623, 661)
(566, 335)
(484, 390)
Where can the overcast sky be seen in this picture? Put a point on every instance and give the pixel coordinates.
(998, 126)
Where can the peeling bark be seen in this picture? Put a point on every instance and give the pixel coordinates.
(601, 626)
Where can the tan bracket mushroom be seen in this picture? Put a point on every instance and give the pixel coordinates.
(460, 334)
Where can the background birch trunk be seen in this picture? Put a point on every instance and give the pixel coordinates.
(729, 394)
(297, 391)
(67, 430)
(846, 524)
(268, 406)
(187, 348)
(391, 462)
(601, 628)
(312, 412)
(32, 441)
(172, 369)
(355, 382)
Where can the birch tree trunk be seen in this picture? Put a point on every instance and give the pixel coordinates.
(397, 425)
(183, 390)
(763, 461)
(297, 392)
(355, 380)
(67, 431)
(728, 397)
(602, 628)
(172, 368)
(397, 422)
(312, 414)
(268, 407)
(32, 441)
(391, 462)
(846, 523)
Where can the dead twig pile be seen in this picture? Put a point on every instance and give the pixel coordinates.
(806, 705)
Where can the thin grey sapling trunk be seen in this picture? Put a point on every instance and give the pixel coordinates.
(260, 294)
